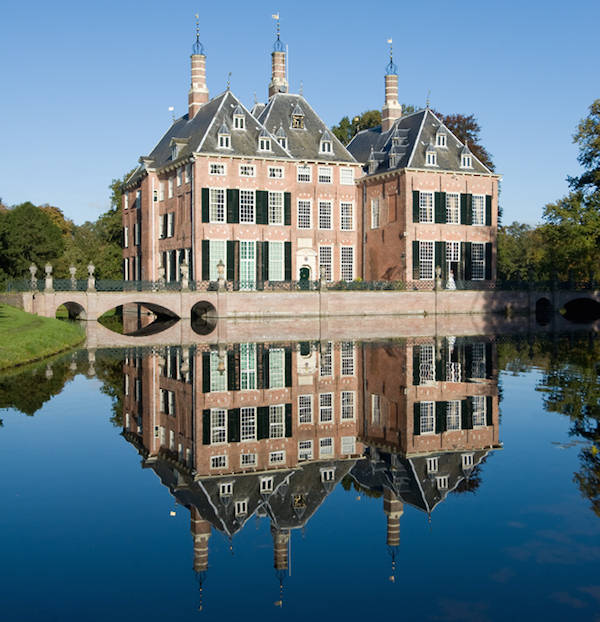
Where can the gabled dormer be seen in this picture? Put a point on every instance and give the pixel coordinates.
(326, 143)
(281, 137)
(441, 137)
(297, 121)
(176, 145)
(466, 157)
(264, 141)
(239, 118)
(430, 155)
(224, 137)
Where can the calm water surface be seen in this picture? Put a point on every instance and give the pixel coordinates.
(447, 479)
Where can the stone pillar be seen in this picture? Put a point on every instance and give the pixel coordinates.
(184, 270)
(91, 286)
(392, 110)
(33, 282)
(221, 276)
(73, 272)
(49, 284)
(198, 95)
(278, 82)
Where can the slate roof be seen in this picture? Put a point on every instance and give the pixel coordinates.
(200, 135)
(303, 144)
(409, 136)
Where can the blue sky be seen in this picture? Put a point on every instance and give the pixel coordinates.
(86, 87)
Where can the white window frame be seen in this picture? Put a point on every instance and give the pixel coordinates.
(433, 464)
(277, 457)
(426, 260)
(478, 261)
(239, 122)
(467, 460)
(425, 206)
(347, 358)
(161, 191)
(375, 214)
(248, 460)
(241, 507)
(224, 141)
(347, 176)
(453, 415)
(325, 214)
(305, 450)
(247, 366)
(326, 447)
(247, 170)
(466, 161)
(376, 409)
(275, 208)
(347, 263)
(453, 208)
(179, 176)
(326, 361)
(217, 250)
(220, 458)
(324, 174)
(125, 237)
(264, 143)
(324, 250)
(347, 215)
(348, 445)
(218, 433)
(302, 215)
(305, 408)
(440, 139)
(479, 411)
(427, 417)
(265, 484)
(276, 368)
(276, 267)
(170, 188)
(478, 210)
(276, 172)
(326, 146)
(442, 482)
(277, 421)
(247, 206)
(304, 173)
(430, 158)
(348, 405)
(187, 173)
(217, 168)
(326, 414)
(248, 424)
(426, 363)
(217, 199)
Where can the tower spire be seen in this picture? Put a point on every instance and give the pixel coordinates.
(279, 83)
(392, 110)
(198, 95)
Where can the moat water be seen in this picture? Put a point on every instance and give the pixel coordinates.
(433, 479)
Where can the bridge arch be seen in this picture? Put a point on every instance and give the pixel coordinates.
(582, 310)
(74, 309)
(203, 317)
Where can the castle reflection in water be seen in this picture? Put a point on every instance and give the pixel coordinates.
(269, 429)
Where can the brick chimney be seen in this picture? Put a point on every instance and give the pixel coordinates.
(392, 110)
(393, 508)
(198, 95)
(281, 538)
(278, 82)
(201, 533)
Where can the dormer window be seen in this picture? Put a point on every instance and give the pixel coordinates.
(283, 142)
(224, 137)
(281, 137)
(225, 489)
(327, 475)
(297, 118)
(173, 152)
(430, 156)
(440, 137)
(264, 144)
(326, 144)
(239, 119)
(466, 161)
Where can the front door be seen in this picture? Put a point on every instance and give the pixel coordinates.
(304, 275)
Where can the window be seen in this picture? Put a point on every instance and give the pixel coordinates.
(173, 152)
(264, 144)
(225, 489)
(216, 168)
(467, 461)
(276, 421)
(266, 484)
(452, 255)
(136, 234)
(347, 406)
(167, 402)
(325, 215)
(376, 409)
(126, 269)
(305, 450)
(218, 426)
(188, 173)
(375, 214)
(478, 209)
(452, 208)
(248, 424)
(325, 407)
(442, 482)
(478, 260)
(247, 170)
(426, 364)
(426, 261)
(479, 411)
(126, 200)
(276, 267)
(326, 262)
(425, 206)
(440, 138)
(326, 367)
(161, 191)
(241, 508)
(138, 198)
(427, 417)
(170, 224)
(248, 460)
(465, 161)
(304, 214)
(217, 204)
(348, 445)
(324, 174)
(276, 457)
(275, 172)
(305, 409)
(217, 252)
(325, 447)
(453, 415)
(275, 208)
(304, 173)
(126, 385)
(327, 475)
(346, 217)
(431, 158)
(248, 366)
(276, 368)
(433, 464)
(297, 121)
(347, 358)
(125, 237)
(239, 122)
(179, 176)
(347, 176)
(478, 362)
(325, 146)
(224, 138)
(170, 188)
(218, 462)
(247, 200)
(347, 263)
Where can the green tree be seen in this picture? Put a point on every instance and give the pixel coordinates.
(521, 251)
(588, 139)
(467, 130)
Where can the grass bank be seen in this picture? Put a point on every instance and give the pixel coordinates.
(25, 338)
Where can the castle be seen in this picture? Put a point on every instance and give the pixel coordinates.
(269, 195)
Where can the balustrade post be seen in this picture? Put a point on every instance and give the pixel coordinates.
(184, 270)
(49, 284)
(91, 285)
(221, 276)
(33, 282)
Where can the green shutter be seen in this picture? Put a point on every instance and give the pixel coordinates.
(288, 367)
(415, 206)
(206, 427)
(265, 259)
(265, 368)
(288, 420)
(262, 423)
(230, 260)
(287, 208)
(235, 369)
(440, 207)
(230, 370)
(415, 259)
(488, 261)
(469, 209)
(440, 417)
(466, 414)
(468, 371)
(466, 209)
(488, 360)
(233, 425)
(417, 418)
(262, 201)
(416, 363)
(489, 414)
(259, 366)
(205, 259)
(205, 205)
(205, 372)
(287, 254)
(233, 205)
(468, 264)
(258, 265)
(488, 210)
(440, 257)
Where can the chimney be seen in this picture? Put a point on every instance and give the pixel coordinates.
(198, 95)
(393, 508)
(201, 533)
(278, 82)
(392, 110)
(281, 538)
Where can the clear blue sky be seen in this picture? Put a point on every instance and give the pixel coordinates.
(86, 87)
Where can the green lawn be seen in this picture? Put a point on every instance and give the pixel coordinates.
(25, 337)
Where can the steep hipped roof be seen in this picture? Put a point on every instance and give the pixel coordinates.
(303, 144)
(410, 135)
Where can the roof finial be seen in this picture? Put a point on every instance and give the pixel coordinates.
(197, 48)
(229, 81)
(391, 68)
(278, 47)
